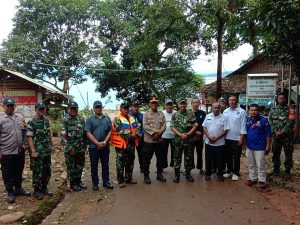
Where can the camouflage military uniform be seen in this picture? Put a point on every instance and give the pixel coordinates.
(183, 122)
(39, 130)
(74, 138)
(279, 121)
(125, 157)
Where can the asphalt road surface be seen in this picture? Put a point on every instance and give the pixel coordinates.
(201, 202)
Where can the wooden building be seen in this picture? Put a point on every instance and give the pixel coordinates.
(236, 82)
(27, 92)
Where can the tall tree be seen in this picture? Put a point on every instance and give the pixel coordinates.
(55, 35)
(148, 37)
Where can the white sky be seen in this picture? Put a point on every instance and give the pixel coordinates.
(203, 65)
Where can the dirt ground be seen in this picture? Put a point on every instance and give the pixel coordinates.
(283, 195)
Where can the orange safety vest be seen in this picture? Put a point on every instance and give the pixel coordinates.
(129, 126)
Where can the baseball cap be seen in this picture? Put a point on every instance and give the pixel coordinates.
(72, 105)
(9, 101)
(98, 103)
(153, 99)
(125, 105)
(40, 105)
(168, 101)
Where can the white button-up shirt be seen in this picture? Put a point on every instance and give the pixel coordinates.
(168, 134)
(237, 119)
(215, 125)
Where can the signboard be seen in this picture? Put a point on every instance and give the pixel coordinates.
(262, 85)
(261, 101)
(24, 97)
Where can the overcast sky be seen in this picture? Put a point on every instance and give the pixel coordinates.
(203, 65)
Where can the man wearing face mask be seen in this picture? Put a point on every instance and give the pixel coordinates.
(74, 142)
(40, 143)
(98, 129)
(12, 150)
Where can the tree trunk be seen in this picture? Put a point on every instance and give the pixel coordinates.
(254, 42)
(221, 27)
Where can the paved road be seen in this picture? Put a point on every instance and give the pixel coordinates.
(201, 202)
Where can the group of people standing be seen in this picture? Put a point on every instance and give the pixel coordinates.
(226, 130)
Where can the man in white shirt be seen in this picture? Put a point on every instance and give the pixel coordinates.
(168, 135)
(215, 126)
(235, 137)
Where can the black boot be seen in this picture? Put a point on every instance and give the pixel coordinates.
(147, 179)
(10, 197)
(161, 178)
(21, 192)
(177, 176)
(74, 187)
(189, 176)
(38, 194)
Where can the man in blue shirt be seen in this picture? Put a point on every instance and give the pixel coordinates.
(138, 116)
(98, 129)
(258, 145)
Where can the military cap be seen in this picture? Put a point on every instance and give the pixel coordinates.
(72, 105)
(9, 101)
(40, 105)
(168, 101)
(125, 105)
(153, 99)
(98, 103)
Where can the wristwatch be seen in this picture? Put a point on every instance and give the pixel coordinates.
(104, 142)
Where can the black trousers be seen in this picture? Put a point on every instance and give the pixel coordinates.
(148, 150)
(199, 149)
(214, 154)
(166, 143)
(233, 156)
(12, 167)
(139, 150)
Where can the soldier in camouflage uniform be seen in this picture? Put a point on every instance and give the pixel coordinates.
(125, 138)
(74, 142)
(183, 124)
(40, 143)
(282, 130)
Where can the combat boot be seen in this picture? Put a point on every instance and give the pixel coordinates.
(74, 187)
(38, 194)
(21, 192)
(189, 176)
(81, 185)
(160, 177)
(177, 176)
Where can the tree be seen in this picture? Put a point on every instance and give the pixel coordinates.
(56, 35)
(278, 23)
(148, 37)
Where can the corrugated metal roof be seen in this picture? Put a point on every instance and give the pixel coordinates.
(52, 90)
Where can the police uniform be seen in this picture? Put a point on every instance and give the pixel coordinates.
(278, 118)
(183, 122)
(39, 131)
(12, 152)
(124, 139)
(74, 142)
(153, 122)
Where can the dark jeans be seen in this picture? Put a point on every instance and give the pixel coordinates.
(233, 153)
(166, 142)
(148, 150)
(214, 154)
(199, 149)
(103, 155)
(12, 169)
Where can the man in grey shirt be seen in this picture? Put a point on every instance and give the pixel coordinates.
(12, 150)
